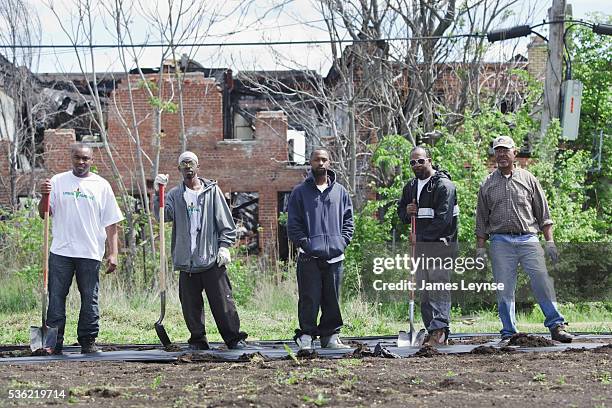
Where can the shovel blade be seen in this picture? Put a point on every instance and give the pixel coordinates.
(36, 338)
(411, 338)
(43, 338)
(162, 334)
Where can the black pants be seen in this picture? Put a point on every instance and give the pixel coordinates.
(219, 293)
(318, 286)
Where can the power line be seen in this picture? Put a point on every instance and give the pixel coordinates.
(234, 44)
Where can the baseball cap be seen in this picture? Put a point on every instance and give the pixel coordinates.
(503, 141)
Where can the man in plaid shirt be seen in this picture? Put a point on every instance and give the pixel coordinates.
(511, 211)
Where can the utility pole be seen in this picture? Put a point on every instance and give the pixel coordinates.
(554, 65)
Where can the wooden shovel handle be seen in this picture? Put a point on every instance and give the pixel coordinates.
(162, 237)
(45, 265)
(413, 249)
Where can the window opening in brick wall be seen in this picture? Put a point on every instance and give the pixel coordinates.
(285, 248)
(296, 147)
(243, 129)
(245, 211)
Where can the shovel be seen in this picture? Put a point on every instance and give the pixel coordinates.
(159, 327)
(411, 339)
(43, 337)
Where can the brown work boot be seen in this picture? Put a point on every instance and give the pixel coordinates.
(558, 333)
(436, 338)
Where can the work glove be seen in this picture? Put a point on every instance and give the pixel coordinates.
(551, 251)
(160, 179)
(481, 253)
(223, 256)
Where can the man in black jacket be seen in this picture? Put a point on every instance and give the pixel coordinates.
(320, 224)
(431, 196)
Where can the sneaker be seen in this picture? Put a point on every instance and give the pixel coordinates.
(333, 342)
(239, 345)
(89, 347)
(558, 333)
(304, 342)
(504, 341)
(436, 338)
(200, 345)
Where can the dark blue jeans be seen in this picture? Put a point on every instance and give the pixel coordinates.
(61, 271)
(318, 287)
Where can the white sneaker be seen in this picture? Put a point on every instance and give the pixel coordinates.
(333, 342)
(304, 342)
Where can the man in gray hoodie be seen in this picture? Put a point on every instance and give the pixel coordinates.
(202, 232)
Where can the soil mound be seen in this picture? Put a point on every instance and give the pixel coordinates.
(528, 340)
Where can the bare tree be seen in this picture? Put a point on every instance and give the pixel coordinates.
(20, 104)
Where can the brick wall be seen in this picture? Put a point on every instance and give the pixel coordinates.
(258, 165)
(538, 56)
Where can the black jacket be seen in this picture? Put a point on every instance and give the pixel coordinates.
(321, 223)
(438, 209)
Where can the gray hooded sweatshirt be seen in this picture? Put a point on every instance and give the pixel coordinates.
(217, 228)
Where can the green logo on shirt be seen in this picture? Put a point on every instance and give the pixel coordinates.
(78, 194)
(192, 208)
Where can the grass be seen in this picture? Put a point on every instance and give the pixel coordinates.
(271, 313)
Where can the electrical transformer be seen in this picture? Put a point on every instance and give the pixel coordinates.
(571, 92)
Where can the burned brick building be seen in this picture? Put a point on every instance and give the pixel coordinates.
(253, 142)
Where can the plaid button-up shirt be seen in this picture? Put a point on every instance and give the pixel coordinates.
(516, 204)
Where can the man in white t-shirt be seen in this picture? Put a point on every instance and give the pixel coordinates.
(84, 215)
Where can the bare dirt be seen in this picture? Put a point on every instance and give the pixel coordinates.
(501, 379)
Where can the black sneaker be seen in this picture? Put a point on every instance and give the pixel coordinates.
(558, 333)
(89, 347)
(201, 345)
(239, 345)
(57, 350)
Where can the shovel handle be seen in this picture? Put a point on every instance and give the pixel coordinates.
(46, 198)
(45, 264)
(413, 250)
(162, 238)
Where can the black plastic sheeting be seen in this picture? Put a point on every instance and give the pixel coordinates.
(383, 346)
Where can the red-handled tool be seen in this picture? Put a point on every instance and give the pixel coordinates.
(412, 339)
(159, 327)
(44, 338)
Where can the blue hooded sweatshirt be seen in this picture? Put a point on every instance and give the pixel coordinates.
(321, 223)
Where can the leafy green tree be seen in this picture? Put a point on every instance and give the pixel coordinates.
(591, 56)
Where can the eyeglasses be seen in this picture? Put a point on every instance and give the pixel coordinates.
(420, 161)
(188, 165)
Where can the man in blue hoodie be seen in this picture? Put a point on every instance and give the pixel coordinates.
(320, 224)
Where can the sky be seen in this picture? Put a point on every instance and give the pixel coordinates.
(297, 20)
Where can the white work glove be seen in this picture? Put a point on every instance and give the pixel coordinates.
(160, 179)
(223, 256)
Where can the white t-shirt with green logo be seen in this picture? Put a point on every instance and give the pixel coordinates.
(81, 209)
(194, 211)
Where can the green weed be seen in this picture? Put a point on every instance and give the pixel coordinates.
(540, 377)
(319, 401)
